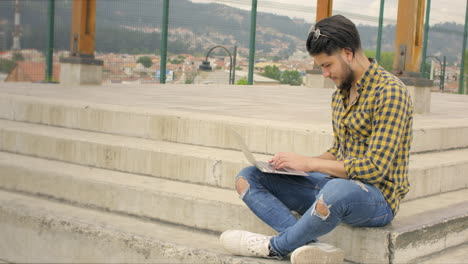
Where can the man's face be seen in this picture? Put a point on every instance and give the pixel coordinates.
(336, 68)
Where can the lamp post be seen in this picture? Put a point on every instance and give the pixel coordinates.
(205, 66)
(442, 68)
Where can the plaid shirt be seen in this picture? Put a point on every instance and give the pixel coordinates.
(373, 135)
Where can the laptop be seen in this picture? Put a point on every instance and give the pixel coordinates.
(262, 165)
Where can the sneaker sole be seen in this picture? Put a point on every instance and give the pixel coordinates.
(314, 255)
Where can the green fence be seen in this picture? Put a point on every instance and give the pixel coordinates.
(128, 40)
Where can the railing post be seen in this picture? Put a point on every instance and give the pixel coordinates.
(462, 68)
(443, 74)
(253, 28)
(50, 42)
(379, 33)
(426, 36)
(234, 61)
(162, 70)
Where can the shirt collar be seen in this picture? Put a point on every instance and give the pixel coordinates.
(364, 81)
(372, 70)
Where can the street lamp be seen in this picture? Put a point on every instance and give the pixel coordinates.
(205, 66)
(442, 67)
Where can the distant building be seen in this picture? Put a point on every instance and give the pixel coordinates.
(27, 71)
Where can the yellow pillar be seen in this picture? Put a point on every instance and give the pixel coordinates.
(409, 36)
(314, 78)
(324, 9)
(83, 28)
(81, 68)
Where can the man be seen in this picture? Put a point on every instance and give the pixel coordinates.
(360, 180)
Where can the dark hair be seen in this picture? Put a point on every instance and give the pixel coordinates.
(337, 32)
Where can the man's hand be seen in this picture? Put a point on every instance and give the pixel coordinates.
(292, 161)
(325, 163)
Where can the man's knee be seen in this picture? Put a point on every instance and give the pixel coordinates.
(321, 208)
(241, 185)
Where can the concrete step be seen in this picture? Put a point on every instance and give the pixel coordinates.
(128, 193)
(35, 230)
(430, 173)
(422, 227)
(206, 129)
(457, 254)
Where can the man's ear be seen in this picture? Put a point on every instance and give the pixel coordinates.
(348, 54)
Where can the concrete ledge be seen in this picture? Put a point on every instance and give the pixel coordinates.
(315, 79)
(39, 231)
(262, 136)
(430, 173)
(155, 198)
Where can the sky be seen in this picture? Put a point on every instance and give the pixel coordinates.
(360, 11)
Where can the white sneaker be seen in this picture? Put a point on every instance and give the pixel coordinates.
(244, 243)
(317, 253)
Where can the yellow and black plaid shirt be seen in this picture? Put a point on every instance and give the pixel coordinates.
(373, 134)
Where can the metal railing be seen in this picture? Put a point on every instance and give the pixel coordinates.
(161, 32)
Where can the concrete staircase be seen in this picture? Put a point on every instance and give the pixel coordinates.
(91, 181)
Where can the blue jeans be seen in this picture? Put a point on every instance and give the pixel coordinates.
(272, 197)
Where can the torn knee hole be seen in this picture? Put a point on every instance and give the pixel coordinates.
(321, 208)
(241, 185)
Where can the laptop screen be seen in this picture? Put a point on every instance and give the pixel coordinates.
(244, 147)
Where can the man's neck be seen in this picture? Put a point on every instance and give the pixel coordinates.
(362, 63)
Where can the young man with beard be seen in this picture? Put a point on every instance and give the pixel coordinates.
(360, 180)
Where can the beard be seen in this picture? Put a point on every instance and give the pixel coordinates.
(348, 77)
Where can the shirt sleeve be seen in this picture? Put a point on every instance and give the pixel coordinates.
(335, 148)
(391, 113)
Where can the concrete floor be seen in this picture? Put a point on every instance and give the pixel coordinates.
(307, 106)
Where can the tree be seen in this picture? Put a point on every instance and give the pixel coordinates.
(176, 61)
(242, 81)
(6, 65)
(272, 72)
(18, 57)
(466, 63)
(386, 59)
(146, 61)
(291, 77)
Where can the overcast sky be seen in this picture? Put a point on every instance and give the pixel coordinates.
(360, 11)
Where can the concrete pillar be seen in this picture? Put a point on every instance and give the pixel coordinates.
(324, 9)
(409, 36)
(408, 51)
(81, 67)
(420, 91)
(78, 71)
(315, 79)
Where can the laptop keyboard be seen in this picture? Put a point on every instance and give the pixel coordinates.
(268, 166)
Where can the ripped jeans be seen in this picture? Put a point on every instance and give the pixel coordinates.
(272, 197)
